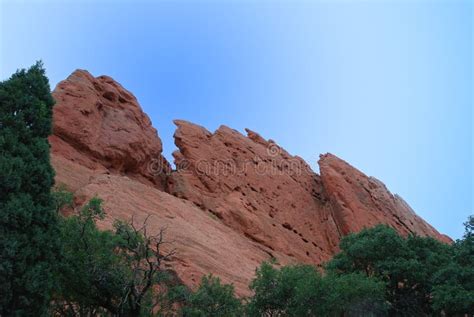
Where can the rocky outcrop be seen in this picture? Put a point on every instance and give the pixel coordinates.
(100, 125)
(359, 201)
(233, 200)
(257, 189)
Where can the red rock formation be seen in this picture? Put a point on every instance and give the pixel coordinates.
(100, 125)
(257, 189)
(359, 201)
(234, 200)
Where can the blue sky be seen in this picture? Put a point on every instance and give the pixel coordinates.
(385, 85)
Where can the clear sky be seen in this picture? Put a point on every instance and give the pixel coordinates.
(385, 85)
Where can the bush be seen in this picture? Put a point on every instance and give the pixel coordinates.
(301, 290)
(105, 272)
(213, 299)
(453, 291)
(90, 274)
(408, 267)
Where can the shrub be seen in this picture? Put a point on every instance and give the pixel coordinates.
(407, 266)
(213, 299)
(301, 290)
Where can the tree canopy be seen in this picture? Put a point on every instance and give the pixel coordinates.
(418, 272)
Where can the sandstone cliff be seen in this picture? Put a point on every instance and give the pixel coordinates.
(233, 200)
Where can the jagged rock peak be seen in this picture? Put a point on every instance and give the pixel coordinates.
(360, 201)
(101, 124)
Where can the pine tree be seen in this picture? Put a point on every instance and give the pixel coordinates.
(28, 222)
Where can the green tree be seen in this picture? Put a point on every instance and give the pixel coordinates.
(407, 266)
(90, 273)
(354, 295)
(275, 289)
(28, 223)
(213, 299)
(453, 292)
(105, 272)
(301, 290)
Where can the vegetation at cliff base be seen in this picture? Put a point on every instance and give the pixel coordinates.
(212, 298)
(414, 270)
(116, 272)
(301, 290)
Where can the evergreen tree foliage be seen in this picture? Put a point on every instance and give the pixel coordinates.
(28, 223)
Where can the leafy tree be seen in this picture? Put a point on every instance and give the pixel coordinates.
(213, 299)
(301, 290)
(407, 266)
(105, 272)
(453, 292)
(28, 223)
(274, 290)
(354, 295)
(90, 273)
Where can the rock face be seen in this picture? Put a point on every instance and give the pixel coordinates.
(256, 188)
(233, 200)
(100, 125)
(359, 201)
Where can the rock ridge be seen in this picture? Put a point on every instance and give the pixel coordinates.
(102, 125)
(233, 200)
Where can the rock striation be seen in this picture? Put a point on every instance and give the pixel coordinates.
(233, 200)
